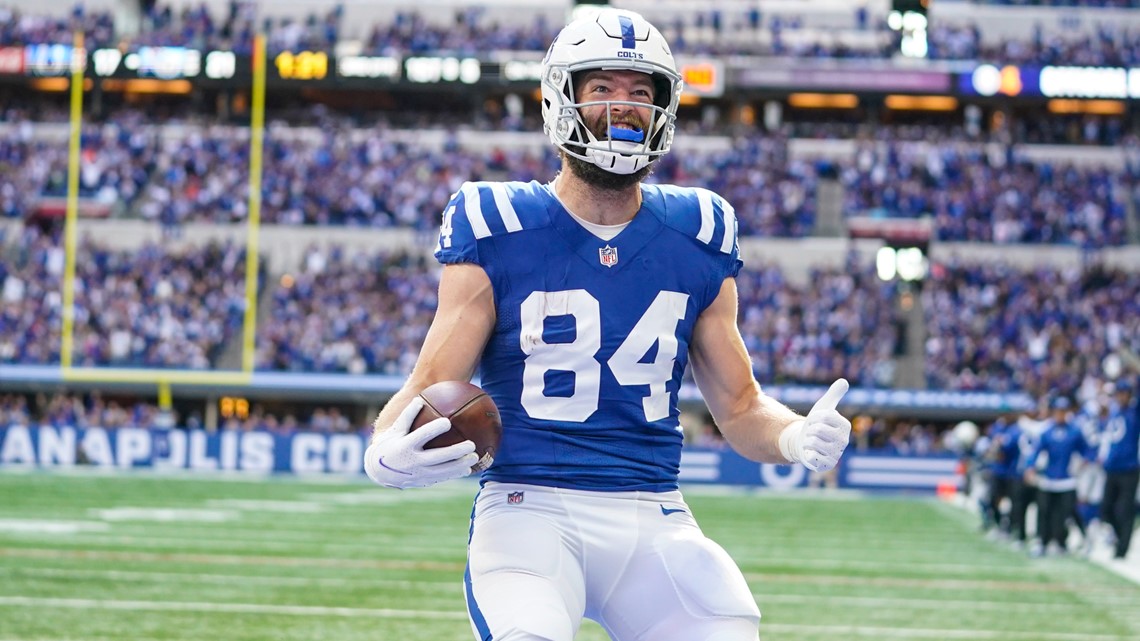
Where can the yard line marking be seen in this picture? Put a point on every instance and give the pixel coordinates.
(938, 604)
(447, 586)
(86, 638)
(941, 584)
(264, 505)
(242, 608)
(394, 564)
(47, 526)
(388, 613)
(161, 577)
(231, 579)
(851, 564)
(919, 543)
(937, 633)
(164, 514)
(205, 544)
(230, 559)
(385, 496)
(288, 541)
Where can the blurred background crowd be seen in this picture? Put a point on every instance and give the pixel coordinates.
(1019, 174)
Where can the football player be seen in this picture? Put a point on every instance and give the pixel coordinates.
(1120, 455)
(580, 302)
(1057, 447)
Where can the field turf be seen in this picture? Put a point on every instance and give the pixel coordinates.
(137, 556)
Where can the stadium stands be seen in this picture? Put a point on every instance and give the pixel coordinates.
(151, 307)
(1023, 173)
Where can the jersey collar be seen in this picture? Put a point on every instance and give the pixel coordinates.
(646, 224)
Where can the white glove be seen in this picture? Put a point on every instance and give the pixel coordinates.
(397, 458)
(818, 440)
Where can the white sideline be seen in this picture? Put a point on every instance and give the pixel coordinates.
(1128, 567)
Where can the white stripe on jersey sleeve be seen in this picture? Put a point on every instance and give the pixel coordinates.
(474, 211)
(729, 228)
(708, 223)
(506, 209)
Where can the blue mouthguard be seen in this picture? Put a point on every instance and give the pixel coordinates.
(628, 135)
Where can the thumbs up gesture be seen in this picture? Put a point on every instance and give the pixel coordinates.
(817, 441)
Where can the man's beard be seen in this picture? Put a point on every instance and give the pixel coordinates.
(595, 176)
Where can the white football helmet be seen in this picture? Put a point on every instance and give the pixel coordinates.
(610, 39)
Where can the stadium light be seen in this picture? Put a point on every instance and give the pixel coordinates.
(920, 103)
(1072, 106)
(909, 18)
(907, 263)
(823, 100)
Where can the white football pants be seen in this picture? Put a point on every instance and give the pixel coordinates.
(541, 559)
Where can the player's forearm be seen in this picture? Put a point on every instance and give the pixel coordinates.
(753, 427)
(392, 409)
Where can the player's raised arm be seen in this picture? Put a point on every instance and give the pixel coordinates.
(756, 425)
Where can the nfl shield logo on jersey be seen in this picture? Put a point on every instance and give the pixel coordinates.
(608, 256)
(514, 498)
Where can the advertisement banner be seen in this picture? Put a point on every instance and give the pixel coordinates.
(1108, 83)
(231, 451)
(318, 453)
(854, 77)
(12, 61)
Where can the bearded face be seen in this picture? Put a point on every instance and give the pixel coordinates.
(618, 97)
(602, 179)
(596, 121)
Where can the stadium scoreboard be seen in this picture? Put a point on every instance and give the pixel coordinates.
(321, 69)
(705, 77)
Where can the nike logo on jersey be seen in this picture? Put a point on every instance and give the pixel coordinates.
(667, 511)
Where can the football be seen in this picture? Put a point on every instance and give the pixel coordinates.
(473, 417)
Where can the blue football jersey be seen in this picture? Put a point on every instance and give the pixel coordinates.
(591, 336)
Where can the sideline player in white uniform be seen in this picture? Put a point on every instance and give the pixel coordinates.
(581, 302)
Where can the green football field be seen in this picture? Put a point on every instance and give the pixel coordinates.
(137, 556)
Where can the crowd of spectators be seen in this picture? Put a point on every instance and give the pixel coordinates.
(1098, 4)
(1045, 330)
(470, 31)
(841, 322)
(1036, 127)
(196, 27)
(64, 409)
(18, 28)
(368, 312)
(976, 195)
(372, 178)
(353, 312)
(116, 162)
(153, 306)
(905, 437)
(883, 434)
(774, 195)
(377, 182)
(364, 181)
(1104, 44)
